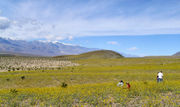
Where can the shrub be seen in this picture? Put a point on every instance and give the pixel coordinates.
(13, 91)
(22, 77)
(64, 85)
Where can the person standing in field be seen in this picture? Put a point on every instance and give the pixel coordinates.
(160, 76)
(120, 83)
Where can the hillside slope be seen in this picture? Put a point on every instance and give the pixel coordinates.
(99, 54)
(177, 54)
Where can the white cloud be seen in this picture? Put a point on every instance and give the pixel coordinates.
(4, 23)
(133, 49)
(30, 29)
(70, 38)
(112, 42)
(39, 19)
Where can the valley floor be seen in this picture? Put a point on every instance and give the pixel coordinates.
(93, 82)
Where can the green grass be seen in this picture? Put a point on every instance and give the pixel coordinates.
(93, 83)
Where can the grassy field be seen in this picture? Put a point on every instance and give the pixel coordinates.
(93, 82)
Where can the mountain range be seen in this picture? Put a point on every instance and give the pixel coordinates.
(38, 48)
(177, 54)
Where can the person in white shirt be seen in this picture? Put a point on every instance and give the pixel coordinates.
(160, 76)
(120, 83)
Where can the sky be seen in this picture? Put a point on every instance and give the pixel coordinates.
(140, 27)
(150, 45)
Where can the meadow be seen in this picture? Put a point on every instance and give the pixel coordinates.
(92, 82)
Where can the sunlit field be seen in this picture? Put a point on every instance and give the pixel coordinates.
(93, 82)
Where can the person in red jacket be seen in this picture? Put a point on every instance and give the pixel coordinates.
(128, 85)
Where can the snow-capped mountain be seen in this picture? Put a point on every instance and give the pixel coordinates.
(40, 48)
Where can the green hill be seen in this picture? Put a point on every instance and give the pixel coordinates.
(99, 54)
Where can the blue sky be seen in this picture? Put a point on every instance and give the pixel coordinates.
(141, 27)
(152, 45)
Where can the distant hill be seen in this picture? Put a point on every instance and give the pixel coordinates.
(37, 48)
(177, 54)
(16, 54)
(99, 54)
(6, 54)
